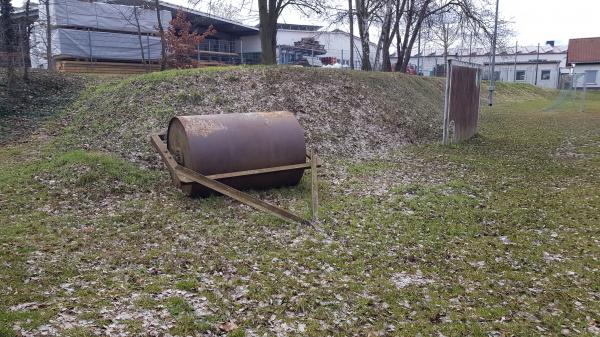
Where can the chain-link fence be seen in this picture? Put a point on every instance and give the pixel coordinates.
(572, 95)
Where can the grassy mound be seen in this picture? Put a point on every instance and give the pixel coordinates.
(25, 104)
(507, 92)
(343, 113)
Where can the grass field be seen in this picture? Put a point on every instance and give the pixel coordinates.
(499, 236)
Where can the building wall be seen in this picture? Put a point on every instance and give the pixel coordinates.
(337, 44)
(507, 73)
(428, 63)
(581, 69)
(249, 44)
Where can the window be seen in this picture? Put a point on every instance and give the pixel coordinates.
(545, 75)
(591, 76)
(520, 75)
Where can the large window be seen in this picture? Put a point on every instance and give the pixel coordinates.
(545, 75)
(591, 76)
(520, 75)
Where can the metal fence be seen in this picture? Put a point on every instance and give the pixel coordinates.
(572, 95)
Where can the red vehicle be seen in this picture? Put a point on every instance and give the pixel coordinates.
(411, 69)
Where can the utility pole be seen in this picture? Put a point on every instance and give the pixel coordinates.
(419, 58)
(515, 66)
(351, 22)
(493, 79)
(537, 64)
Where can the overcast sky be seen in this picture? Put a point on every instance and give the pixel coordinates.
(534, 21)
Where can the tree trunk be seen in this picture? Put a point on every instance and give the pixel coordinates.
(410, 36)
(25, 41)
(139, 33)
(161, 32)
(48, 37)
(386, 39)
(268, 31)
(351, 19)
(363, 31)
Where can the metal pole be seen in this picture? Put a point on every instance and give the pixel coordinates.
(537, 64)
(448, 66)
(419, 54)
(493, 80)
(470, 46)
(515, 67)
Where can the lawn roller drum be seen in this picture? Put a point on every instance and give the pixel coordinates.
(227, 153)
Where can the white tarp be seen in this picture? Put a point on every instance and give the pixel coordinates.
(103, 16)
(81, 44)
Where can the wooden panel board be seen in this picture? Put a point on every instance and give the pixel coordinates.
(72, 66)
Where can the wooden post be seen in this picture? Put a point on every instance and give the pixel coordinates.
(314, 186)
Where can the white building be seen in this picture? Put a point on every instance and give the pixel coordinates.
(527, 65)
(543, 73)
(584, 59)
(336, 44)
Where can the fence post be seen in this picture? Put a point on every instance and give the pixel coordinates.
(90, 44)
(447, 102)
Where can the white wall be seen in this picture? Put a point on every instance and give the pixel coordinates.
(337, 44)
(428, 63)
(249, 44)
(507, 74)
(581, 69)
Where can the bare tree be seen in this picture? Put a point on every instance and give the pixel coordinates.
(25, 36)
(351, 22)
(8, 38)
(132, 17)
(365, 15)
(48, 41)
(447, 28)
(269, 12)
(393, 11)
(223, 8)
(419, 10)
(161, 33)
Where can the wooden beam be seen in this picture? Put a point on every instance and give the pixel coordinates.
(314, 187)
(259, 171)
(239, 195)
(183, 174)
(170, 162)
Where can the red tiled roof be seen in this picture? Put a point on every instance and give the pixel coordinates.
(585, 50)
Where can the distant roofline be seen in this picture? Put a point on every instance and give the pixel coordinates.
(585, 38)
(498, 53)
(574, 50)
(309, 28)
(197, 12)
(528, 62)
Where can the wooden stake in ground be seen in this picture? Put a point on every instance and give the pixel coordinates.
(314, 186)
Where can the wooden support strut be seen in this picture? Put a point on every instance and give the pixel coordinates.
(182, 174)
(314, 187)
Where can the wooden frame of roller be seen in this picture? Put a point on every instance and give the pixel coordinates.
(184, 175)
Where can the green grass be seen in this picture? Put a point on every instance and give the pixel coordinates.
(498, 235)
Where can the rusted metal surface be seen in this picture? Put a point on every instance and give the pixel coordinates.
(180, 174)
(214, 145)
(462, 101)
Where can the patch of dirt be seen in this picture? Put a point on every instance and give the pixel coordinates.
(25, 105)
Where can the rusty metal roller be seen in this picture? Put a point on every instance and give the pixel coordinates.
(233, 142)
